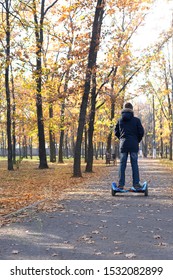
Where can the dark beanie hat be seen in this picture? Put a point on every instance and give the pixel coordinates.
(128, 105)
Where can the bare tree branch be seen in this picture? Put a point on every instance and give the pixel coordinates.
(48, 8)
(105, 82)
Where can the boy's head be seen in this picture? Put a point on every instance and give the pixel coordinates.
(128, 105)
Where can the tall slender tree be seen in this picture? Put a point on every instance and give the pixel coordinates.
(13, 116)
(94, 94)
(39, 32)
(39, 43)
(7, 82)
(51, 135)
(91, 68)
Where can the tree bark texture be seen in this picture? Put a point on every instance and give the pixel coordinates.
(51, 136)
(96, 30)
(40, 121)
(89, 166)
(61, 141)
(7, 87)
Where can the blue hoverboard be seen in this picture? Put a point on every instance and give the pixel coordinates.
(143, 189)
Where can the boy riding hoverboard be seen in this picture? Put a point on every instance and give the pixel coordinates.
(129, 131)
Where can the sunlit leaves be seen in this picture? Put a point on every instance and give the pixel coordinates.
(67, 33)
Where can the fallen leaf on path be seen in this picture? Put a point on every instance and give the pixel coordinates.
(30, 185)
(95, 232)
(161, 244)
(98, 253)
(87, 239)
(157, 236)
(15, 252)
(104, 238)
(130, 256)
(141, 217)
(54, 255)
(118, 253)
(117, 242)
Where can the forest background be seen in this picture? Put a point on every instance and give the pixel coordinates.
(66, 69)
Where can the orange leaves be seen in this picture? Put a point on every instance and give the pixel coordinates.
(63, 17)
(132, 5)
(29, 185)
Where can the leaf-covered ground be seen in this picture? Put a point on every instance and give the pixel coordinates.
(89, 223)
(42, 188)
(29, 184)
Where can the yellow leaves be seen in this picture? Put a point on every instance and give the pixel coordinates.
(65, 12)
(29, 185)
(19, 53)
(63, 17)
(133, 5)
(70, 62)
(82, 17)
(166, 92)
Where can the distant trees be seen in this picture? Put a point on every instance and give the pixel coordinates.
(66, 68)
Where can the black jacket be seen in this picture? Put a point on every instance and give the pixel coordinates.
(129, 131)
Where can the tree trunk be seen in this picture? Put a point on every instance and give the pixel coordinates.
(66, 146)
(73, 141)
(24, 147)
(30, 147)
(170, 127)
(86, 142)
(20, 151)
(154, 128)
(13, 118)
(61, 141)
(3, 144)
(109, 139)
(89, 166)
(51, 136)
(52, 146)
(8, 99)
(41, 137)
(170, 145)
(40, 121)
(161, 138)
(90, 67)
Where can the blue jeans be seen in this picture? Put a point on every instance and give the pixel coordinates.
(134, 165)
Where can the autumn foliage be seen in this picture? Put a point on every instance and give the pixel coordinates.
(42, 188)
(51, 54)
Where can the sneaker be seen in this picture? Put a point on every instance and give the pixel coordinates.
(120, 187)
(138, 186)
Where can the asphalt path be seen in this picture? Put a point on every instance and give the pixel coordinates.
(91, 224)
